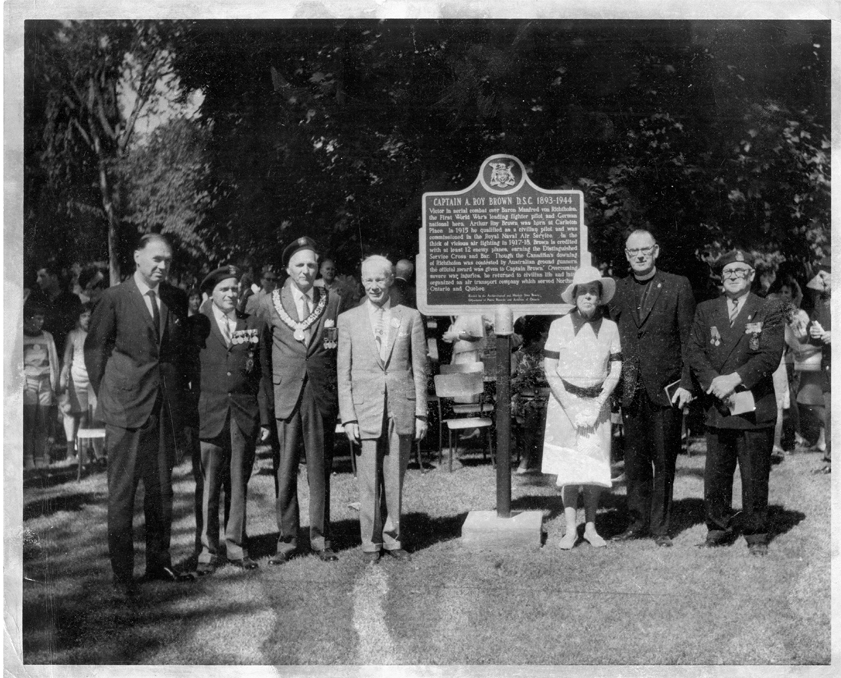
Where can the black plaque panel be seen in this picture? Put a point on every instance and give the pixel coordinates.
(502, 241)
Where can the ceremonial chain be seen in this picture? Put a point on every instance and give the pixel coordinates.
(299, 327)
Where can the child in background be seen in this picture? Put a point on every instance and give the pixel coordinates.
(40, 370)
(79, 399)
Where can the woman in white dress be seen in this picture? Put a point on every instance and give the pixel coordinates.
(583, 361)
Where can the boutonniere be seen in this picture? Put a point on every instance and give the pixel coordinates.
(329, 323)
(753, 330)
(715, 336)
(395, 322)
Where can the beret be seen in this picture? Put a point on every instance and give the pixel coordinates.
(734, 256)
(302, 243)
(215, 277)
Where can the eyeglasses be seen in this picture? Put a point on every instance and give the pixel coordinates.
(640, 250)
(736, 273)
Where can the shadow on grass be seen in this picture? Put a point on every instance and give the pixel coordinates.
(41, 479)
(72, 502)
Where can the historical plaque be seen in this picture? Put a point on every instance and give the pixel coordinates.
(502, 241)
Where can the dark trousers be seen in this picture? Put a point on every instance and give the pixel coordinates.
(306, 425)
(146, 454)
(652, 443)
(230, 455)
(751, 449)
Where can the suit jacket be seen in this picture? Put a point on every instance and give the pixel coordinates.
(228, 377)
(286, 362)
(128, 366)
(655, 339)
(715, 348)
(403, 293)
(367, 381)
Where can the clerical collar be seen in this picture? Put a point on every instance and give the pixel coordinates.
(647, 277)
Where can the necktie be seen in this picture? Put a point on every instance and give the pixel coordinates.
(156, 314)
(226, 330)
(307, 310)
(734, 311)
(379, 331)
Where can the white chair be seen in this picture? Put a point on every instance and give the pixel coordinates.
(88, 434)
(462, 385)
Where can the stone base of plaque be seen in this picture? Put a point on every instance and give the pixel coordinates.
(485, 530)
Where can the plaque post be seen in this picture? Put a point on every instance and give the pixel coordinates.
(503, 328)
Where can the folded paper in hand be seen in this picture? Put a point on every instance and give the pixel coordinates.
(741, 402)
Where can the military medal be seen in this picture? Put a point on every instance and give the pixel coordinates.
(753, 330)
(299, 328)
(715, 338)
(331, 333)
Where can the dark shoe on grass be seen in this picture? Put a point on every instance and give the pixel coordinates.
(125, 590)
(758, 549)
(281, 557)
(243, 563)
(170, 574)
(327, 555)
(399, 555)
(630, 534)
(371, 557)
(663, 540)
(204, 569)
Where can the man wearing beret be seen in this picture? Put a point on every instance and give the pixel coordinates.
(735, 346)
(382, 396)
(299, 360)
(230, 415)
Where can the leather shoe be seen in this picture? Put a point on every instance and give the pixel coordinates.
(399, 554)
(371, 557)
(243, 563)
(170, 574)
(711, 543)
(631, 534)
(281, 557)
(203, 569)
(125, 590)
(327, 555)
(663, 540)
(758, 549)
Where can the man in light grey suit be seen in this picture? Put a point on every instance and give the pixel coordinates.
(382, 402)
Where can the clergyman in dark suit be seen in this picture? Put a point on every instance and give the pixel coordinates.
(135, 357)
(654, 312)
(230, 414)
(382, 401)
(299, 358)
(735, 346)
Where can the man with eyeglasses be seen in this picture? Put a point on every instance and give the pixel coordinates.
(653, 310)
(735, 345)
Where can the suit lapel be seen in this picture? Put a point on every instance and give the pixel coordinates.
(627, 288)
(654, 288)
(139, 303)
(367, 322)
(393, 329)
(315, 328)
(733, 335)
(214, 327)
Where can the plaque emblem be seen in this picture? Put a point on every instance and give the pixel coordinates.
(501, 174)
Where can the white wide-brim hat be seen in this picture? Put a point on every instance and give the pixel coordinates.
(588, 274)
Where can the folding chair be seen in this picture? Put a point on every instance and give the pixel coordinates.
(89, 434)
(469, 408)
(463, 385)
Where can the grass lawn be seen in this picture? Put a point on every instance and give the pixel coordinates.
(624, 604)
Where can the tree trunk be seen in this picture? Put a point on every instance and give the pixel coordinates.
(113, 225)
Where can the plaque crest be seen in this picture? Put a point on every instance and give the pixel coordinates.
(501, 174)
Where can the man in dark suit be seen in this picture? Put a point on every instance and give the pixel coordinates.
(382, 398)
(402, 291)
(135, 357)
(230, 414)
(653, 310)
(299, 359)
(735, 346)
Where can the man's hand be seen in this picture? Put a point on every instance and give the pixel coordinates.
(681, 398)
(264, 433)
(352, 432)
(420, 429)
(724, 385)
(815, 330)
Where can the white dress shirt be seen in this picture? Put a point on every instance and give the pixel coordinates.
(144, 290)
